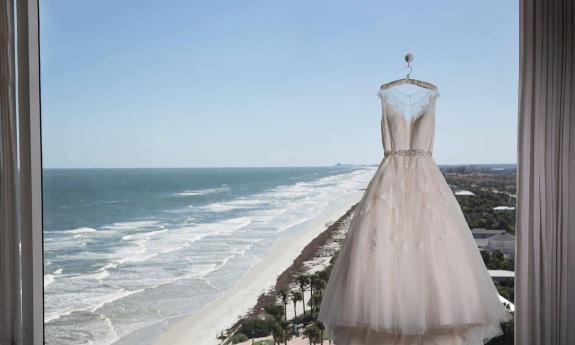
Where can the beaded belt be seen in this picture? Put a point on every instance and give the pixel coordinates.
(407, 153)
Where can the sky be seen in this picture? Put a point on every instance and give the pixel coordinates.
(269, 83)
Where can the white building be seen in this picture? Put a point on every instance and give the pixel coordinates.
(464, 193)
(498, 275)
(492, 240)
(505, 243)
(504, 208)
(481, 236)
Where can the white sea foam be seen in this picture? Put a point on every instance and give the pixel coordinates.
(109, 298)
(51, 277)
(222, 189)
(99, 275)
(220, 207)
(88, 302)
(144, 235)
(237, 204)
(110, 265)
(191, 193)
(48, 279)
(82, 230)
(51, 316)
(147, 245)
(135, 225)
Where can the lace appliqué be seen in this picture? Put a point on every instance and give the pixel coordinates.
(373, 238)
(385, 198)
(405, 245)
(443, 232)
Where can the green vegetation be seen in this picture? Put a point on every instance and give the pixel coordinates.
(506, 289)
(479, 211)
(256, 328)
(492, 188)
(496, 261)
(239, 338)
(502, 179)
(277, 323)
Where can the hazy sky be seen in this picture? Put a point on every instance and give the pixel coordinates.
(269, 83)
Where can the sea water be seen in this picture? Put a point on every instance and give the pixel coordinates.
(125, 249)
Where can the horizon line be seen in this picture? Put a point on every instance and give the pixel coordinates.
(263, 166)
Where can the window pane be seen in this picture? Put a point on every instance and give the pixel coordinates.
(193, 150)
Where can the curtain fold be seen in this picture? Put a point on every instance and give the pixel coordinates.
(545, 259)
(10, 315)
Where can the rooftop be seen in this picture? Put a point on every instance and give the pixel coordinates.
(503, 237)
(501, 274)
(464, 193)
(503, 208)
(487, 231)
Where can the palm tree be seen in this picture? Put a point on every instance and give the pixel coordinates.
(319, 286)
(311, 279)
(296, 296)
(314, 279)
(303, 282)
(315, 301)
(284, 297)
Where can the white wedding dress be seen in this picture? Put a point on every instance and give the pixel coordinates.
(409, 271)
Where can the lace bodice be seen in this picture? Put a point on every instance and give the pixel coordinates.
(408, 120)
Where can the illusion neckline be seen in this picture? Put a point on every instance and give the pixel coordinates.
(427, 93)
(408, 119)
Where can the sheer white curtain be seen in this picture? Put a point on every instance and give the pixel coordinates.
(545, 268)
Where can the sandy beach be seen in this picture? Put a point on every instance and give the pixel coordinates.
(201, 327)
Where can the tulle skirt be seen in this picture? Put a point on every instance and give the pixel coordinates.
(409, 271)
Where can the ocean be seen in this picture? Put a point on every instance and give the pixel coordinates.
(125, 249)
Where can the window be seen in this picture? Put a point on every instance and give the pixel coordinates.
(182, 142)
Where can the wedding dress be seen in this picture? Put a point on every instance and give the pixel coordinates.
(408, 271)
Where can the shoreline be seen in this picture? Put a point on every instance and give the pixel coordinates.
(258, 285)
(301, 263)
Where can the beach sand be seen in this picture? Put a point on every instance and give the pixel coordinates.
(201, 327)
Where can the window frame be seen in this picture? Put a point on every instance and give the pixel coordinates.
(30, 156)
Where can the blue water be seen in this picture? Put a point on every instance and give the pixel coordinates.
(127, 248)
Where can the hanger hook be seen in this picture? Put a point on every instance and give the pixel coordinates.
(409, 59)
(410, 70)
